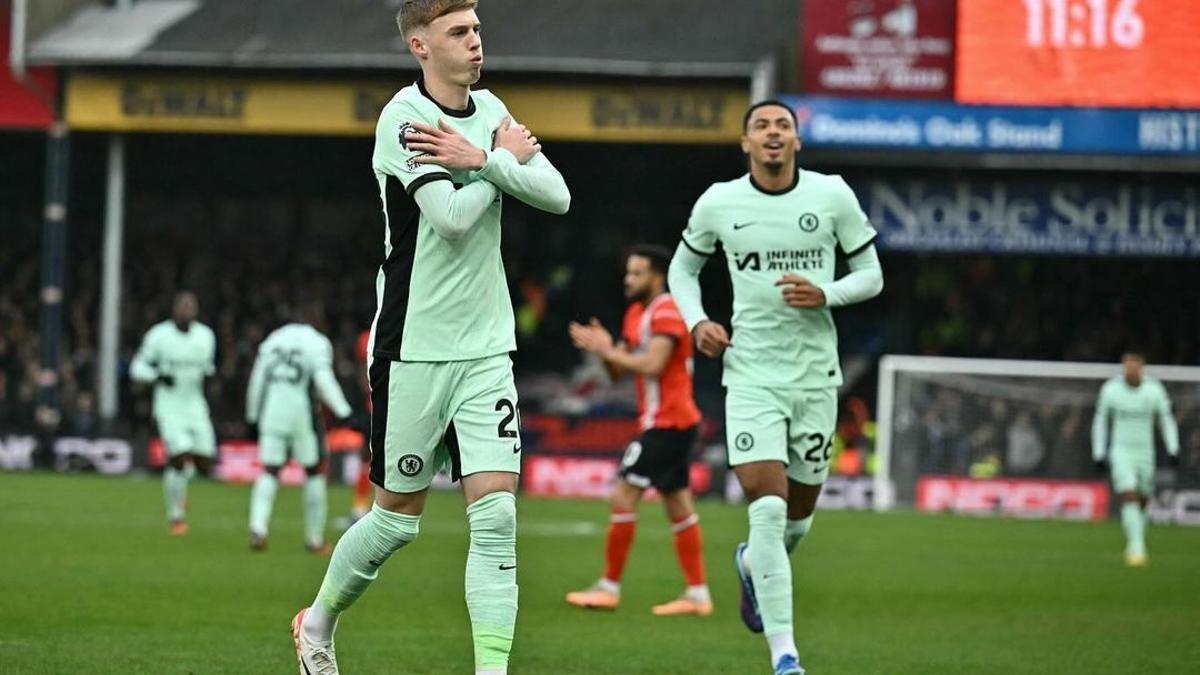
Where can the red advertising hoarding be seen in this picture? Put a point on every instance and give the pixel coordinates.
(891, 48)
(1014, 497)
(588, 477)
(1119, 53)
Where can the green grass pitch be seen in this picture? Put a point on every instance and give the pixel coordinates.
(91, 583)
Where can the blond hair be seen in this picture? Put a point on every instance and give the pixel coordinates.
(416, 14)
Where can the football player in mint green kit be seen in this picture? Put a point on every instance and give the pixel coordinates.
(781, 228)
(442, 391)
(176, 355)
(294, 360)
(1132, 401)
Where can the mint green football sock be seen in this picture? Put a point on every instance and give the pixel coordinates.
(795, 531)
(771, 571)
(315, 508)
(174, 492)
(355, 564)
(491, 578)
(262, 502)
(1134, 523)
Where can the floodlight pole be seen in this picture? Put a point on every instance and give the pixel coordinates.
(762, 79)
(54, 248)
(110, 285)
(16, 46)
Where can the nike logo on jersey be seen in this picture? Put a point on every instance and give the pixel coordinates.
(738, 226)
(505, 568)
(516, 449)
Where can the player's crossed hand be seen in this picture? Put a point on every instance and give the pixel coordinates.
(445, 146)
(592, 337)
(710, 338)
(517, 139)
(800, 292)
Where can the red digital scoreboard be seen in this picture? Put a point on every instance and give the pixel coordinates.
(1115, 53)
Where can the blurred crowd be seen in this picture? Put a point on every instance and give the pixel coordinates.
(1073, 309)
(246, 282)
(245, 292)
(254, 224)
(991, 426)
(985, 306)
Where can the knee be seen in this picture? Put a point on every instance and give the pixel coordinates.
(313, 471)
(272, 470)
(494, 516)
(773, 486)
(624, 498)
(768, 513)
(801, 511)
(399, 529)
(203, 465)
(178, 462)
(678, 505)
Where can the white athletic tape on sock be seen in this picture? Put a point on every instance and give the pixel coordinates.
(685, 523)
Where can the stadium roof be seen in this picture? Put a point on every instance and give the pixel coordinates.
(648, 38)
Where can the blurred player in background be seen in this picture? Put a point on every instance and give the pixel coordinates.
(442, 386)
(1132, 401)
(176, 355)
(781, 228)
(292, 361)
(657, 348)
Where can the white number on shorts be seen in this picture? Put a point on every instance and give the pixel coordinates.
(511, 414)
(631, 454)
(819, 444)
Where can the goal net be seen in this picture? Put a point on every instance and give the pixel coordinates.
(1014, 438)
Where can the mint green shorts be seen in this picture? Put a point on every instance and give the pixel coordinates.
(793, 426)
(191, 433)
(1132, 471)
(461, 415)
(305, 447)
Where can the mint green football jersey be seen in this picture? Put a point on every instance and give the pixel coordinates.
(437, 299)
(1132, 411)
(765, 235)
(187, 356)
(293, 361)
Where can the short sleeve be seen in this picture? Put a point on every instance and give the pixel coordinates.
(701, 233)
(629, 326)
(669, 322)
(853, 229)
(392, 155)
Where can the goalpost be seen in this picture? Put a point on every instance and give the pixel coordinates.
(942, 421)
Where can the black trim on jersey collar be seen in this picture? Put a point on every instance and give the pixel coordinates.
(860, 249)
(449, 111)
(784, 191)
(696, 250)
(425, 180)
